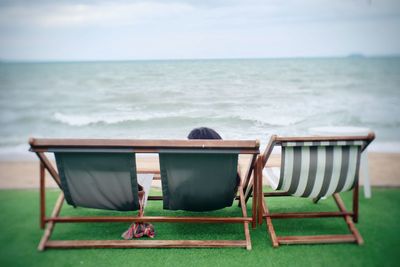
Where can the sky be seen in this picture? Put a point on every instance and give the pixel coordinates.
(190, 29)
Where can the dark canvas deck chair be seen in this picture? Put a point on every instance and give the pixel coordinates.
(314, 167)
(197, 175)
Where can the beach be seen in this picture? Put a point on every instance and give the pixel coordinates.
(384, 171)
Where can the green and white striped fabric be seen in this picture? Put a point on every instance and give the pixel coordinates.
(319, 169)
(325, 143)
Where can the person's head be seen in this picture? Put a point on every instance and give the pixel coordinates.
(203, 133)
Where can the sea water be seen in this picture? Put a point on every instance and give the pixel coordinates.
(241, 99)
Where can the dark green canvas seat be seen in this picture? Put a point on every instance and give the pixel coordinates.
(99, 180)
(198, 182)
(193, 182)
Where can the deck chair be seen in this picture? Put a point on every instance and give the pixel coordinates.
(197, 175)
(314, 167)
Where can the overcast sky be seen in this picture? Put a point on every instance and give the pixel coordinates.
(180, 29)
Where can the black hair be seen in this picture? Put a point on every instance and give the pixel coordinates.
(203, 133)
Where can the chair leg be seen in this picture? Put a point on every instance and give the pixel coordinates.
(254, 199)
(244, 213)
(348, 220)
(50, 226)
(42, 196)
(270, 226)
(260, 194)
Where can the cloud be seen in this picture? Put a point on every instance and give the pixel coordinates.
(105, 13)
(122, 29)
(82, 15)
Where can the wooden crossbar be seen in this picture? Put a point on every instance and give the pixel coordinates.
(307, 215)
(313, 239)
(102, 219)
(145, 243)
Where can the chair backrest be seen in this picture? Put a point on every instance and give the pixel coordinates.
(99, 180)
(198, 180)
(316, 169)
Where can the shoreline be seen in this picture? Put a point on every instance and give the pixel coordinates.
(384, 170)
(21, 152)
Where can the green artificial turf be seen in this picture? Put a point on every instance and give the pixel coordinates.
(379, 225)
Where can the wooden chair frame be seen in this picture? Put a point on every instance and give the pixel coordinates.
(350, 217)
(40, 146)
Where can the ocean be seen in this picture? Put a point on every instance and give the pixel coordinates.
(240, 98)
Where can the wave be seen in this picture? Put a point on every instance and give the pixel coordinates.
(276, 120)
(84, 120)
(174, 118)
(76, 120)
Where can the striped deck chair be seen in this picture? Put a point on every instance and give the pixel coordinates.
(314, 167)
(197, 175)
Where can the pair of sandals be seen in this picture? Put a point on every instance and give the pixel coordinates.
(139, 229)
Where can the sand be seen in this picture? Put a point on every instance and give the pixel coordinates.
(384, 169)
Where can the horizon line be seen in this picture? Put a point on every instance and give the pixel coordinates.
(351, 55)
